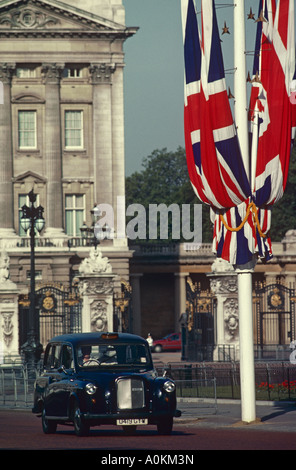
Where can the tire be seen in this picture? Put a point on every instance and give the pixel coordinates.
(81, 428)
(48, 426)
(158, 348)
(165, 426)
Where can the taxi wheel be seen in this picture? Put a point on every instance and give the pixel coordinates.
(81, 428)
(48, 426)
(158, 348)
(165, 427)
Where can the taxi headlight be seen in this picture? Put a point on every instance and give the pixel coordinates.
(169, 386)
(90, 389)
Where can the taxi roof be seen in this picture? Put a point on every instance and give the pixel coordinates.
(98, 337)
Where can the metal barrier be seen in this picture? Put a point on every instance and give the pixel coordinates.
(201, 382)
(274, 381)
(202, 392)
(17, 386)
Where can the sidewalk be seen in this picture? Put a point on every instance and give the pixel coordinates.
(271, 416)
(167, 357)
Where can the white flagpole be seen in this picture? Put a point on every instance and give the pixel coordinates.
(244, 273)
(254, 148)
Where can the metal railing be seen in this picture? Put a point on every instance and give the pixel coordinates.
(17, 386)
(274, 381)
(204, 383)
(202, 392)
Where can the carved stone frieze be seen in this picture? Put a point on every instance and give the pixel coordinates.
(52, 73)
(7, 327)
(4, 267)
(5, 282)
(6, 72)
(223, 281)
(97, 285)
(28, 18)
(98, 315)
(224, 284)
(101, 73)
(231, 319)
(36, 18)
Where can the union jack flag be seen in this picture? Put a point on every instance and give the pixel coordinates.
(241, 208)
(272, 114)
(271, 108)
(214, 161)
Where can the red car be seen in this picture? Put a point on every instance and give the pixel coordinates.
(170, 342)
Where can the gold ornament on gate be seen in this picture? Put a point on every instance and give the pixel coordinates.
(48, 302)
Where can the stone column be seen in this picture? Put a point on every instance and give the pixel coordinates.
(101, 79)
(9, 325)
(118, 166)
(52, 150)
(97, 310)
(96, 288)
(180, 298)
(6, 159)
(223, 281)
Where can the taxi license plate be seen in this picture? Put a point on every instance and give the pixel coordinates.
(131, 422)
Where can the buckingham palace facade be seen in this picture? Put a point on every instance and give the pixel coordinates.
(61, 129)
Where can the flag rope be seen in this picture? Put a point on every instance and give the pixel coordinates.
(251, 207)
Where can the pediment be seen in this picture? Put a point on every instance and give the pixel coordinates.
(28, 98)
(51, 15)
(29, 176)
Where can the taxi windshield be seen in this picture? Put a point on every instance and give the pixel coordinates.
(106, 354)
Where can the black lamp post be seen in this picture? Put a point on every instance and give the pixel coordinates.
(32, 219)
(94, 234)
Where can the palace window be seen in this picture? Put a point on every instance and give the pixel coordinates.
(73, 129)
(26, 72)
(72, 72)
(27, 135)
(75, 211)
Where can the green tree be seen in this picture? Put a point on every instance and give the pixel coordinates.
(164, 179)
(162, 175)
(284, 211)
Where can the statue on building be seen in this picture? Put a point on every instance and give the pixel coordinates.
(95, 263)
(4, 267)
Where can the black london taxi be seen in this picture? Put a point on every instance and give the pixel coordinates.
(91, 379)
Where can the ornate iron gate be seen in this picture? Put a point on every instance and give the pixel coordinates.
(274, 317)
(58, 311)
(200, 335)
(123, 309)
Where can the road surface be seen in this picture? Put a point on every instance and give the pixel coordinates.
(21, 430)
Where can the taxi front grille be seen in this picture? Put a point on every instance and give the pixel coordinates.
(130, 394)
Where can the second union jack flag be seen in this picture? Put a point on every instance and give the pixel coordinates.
(241, 206)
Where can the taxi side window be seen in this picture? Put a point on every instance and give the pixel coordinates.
(67, 357)
(52, 357)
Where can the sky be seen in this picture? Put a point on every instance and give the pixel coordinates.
(154, 73)
(153, 80)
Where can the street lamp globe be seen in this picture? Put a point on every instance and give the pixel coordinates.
(39, 224)
(25, 218)
(25, 223)
(39, 221)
